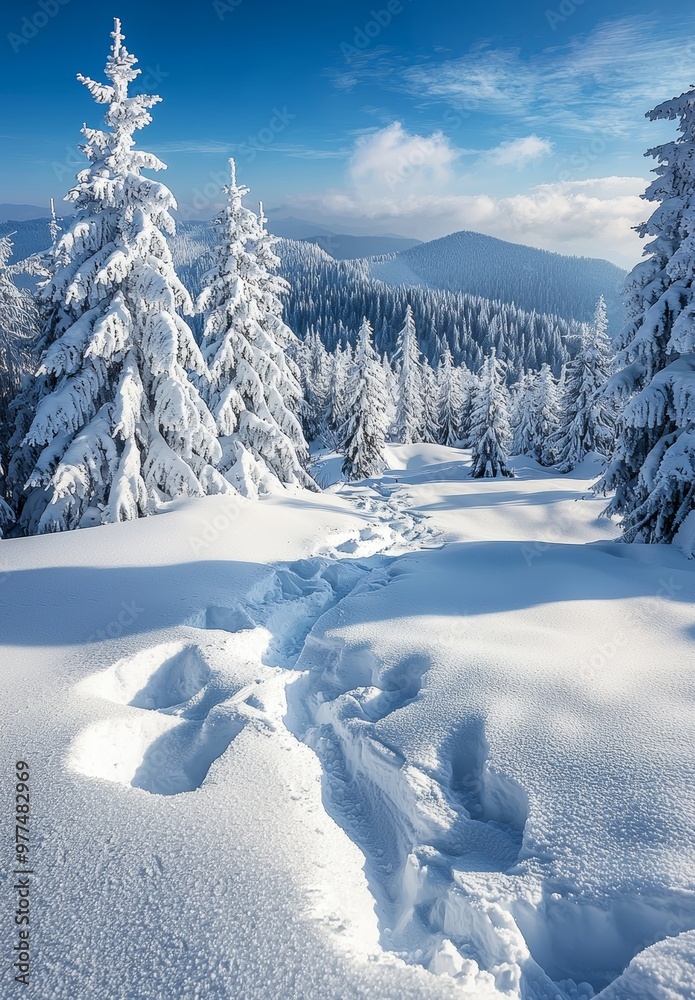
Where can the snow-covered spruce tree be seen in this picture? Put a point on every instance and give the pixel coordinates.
(253, 393)
(588, 418)
(490, 428)
(653, 463)
(118, 426)
(431, 431)
(449, 400)
(18, 331)
(18, 327)
(336, 413)
(315, 370)
(408, 426)
(468, 383)
(543, 416)
(520, 413)
(367, 423)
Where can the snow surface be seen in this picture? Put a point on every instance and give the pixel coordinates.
(421, 736)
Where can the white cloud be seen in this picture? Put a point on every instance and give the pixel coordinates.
(392, 159)
(520, 152)
(392, 185)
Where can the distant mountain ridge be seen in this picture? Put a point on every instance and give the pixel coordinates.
(509, 272)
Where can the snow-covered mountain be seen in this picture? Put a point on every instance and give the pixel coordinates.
(343, 246)
(509, 272)
(333, 296)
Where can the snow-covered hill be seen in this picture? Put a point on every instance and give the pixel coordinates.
(509, 272)
(421, 737)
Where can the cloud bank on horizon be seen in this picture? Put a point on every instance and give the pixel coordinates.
(526, 124)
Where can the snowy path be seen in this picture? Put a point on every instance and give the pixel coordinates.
(401, 655)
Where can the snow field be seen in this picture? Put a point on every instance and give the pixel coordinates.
(412, 738)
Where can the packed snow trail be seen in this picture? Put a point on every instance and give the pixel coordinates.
(444, 847)
(412, 828)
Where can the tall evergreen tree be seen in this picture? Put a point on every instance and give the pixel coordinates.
(118, 425)
(490, 428)
(588, 420)
(18, 331)
(367, 423)
(449, 400)
(520, 413)
(431, 430)
(336, 408)
(410, 407)
(653, 463)
(253, 393)
(543, 416)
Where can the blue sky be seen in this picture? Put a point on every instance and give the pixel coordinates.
(420, 117)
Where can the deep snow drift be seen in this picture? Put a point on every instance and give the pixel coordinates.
(425, 736)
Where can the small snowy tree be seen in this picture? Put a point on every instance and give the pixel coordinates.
(588, 420)
(449, 400)
(543, 416)
(468, 383)
(520, 413)
(409, 409)
(336, 408)
(653, 463)
(431, 430)
(118, 425)
(490, 429)
(253, 393)
(367, 423)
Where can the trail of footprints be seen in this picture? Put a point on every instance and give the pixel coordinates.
(187, 704)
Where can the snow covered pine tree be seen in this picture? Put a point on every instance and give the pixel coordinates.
(408, 427)
(490, 429)
(449, 400)
(653, 463)
(543, 419)
(367, 420)
(588, 419)
(18, 329)
(253, 393)
(118, 426)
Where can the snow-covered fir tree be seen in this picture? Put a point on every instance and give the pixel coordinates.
(431, 431)
(336, 413)
(543, 402)
(19, 319)
(253, 392)
(468, 383)
(449, 400)
(490, 427)
(588, 419)
(520, 413)
(653, 463)
(367, 423)
(118, 425)
(409, 421)
(316, 369)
